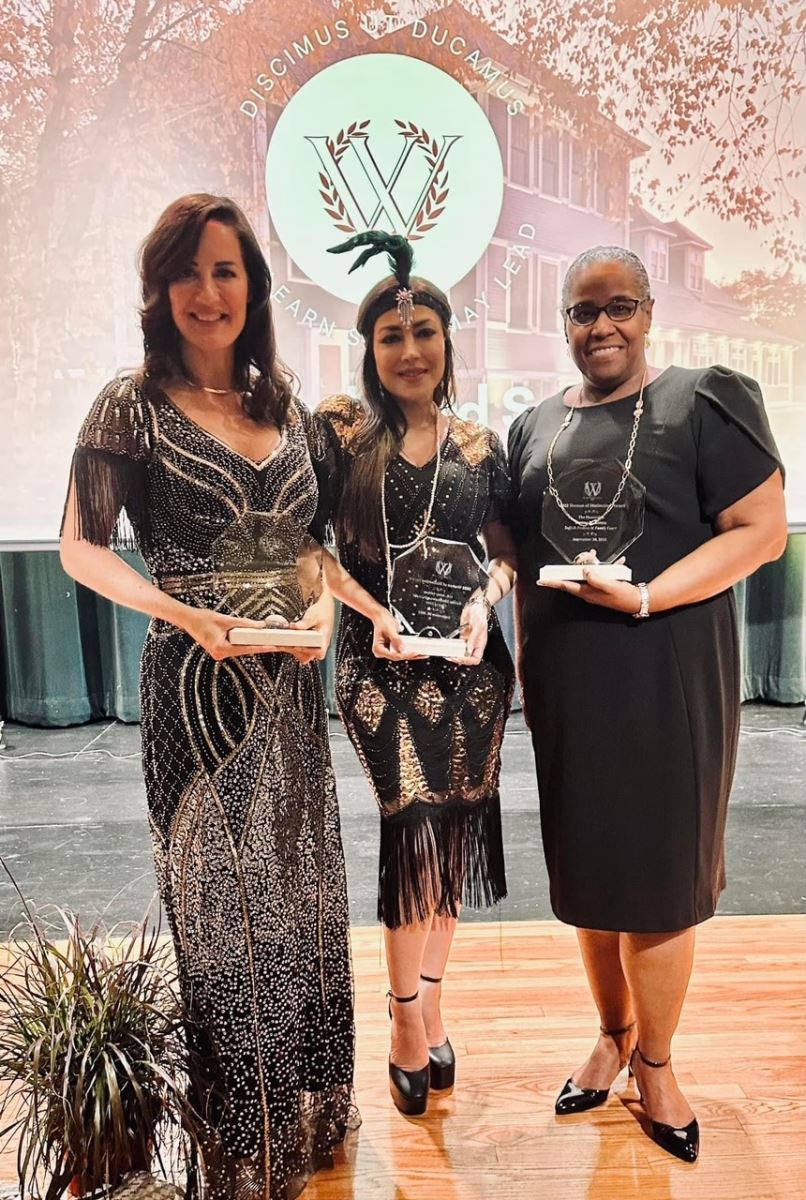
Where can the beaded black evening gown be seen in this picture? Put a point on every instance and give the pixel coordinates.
(241, 797)
(428, 732)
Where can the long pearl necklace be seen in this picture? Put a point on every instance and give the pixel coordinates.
(422, 532)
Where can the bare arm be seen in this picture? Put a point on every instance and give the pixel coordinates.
(749, 533)
(386, 637)
(502, 557)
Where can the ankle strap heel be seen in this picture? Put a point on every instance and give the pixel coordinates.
(614, 1033)
(442, 1059)
(682, 1141)
(400, 1000)
(409, 1088)
(649, 1062)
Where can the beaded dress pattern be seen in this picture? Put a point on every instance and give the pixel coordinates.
(241, 798)
(428, 732)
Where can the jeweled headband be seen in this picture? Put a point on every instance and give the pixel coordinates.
(403, 297)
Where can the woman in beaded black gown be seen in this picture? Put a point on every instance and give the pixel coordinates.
(428, 732)
(206, 440)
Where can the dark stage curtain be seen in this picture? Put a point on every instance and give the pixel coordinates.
(69, 656)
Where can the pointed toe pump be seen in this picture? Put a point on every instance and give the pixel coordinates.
(682, 1141)
(409, 1089)
(441, 1059)
(575, 1099)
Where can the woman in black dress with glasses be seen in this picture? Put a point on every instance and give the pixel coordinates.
(635, 721)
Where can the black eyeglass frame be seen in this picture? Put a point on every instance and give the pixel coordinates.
(602, 308)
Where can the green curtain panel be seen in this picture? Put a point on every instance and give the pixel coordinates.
(69, 656)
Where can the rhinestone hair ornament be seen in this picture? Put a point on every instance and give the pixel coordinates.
(404, 297)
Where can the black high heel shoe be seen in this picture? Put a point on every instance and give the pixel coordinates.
(576, 1099)
(409, 1089)
(682, 1142)
(441, 1059)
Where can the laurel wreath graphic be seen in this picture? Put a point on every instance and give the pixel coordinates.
(433, 203)
(337, 147)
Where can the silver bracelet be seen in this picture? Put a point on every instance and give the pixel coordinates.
(643, 592)
(480, 598)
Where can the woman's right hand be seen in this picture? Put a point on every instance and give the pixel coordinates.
(210, 630)
(386, 642)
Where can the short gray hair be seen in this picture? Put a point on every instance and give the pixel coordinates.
(606, 254)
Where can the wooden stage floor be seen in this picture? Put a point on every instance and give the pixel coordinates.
(521, 1019)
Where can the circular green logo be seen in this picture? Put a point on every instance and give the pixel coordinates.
(384, 142)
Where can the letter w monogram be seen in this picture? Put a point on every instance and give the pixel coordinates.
(366, 205)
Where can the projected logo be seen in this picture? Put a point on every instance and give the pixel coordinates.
(384, 142)
(344, 172)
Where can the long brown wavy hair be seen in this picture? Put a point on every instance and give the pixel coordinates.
(265, 382)
(359, 519)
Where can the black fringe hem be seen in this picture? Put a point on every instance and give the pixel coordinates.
(437, 857)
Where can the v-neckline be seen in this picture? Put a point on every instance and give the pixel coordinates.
(442, 446)
(257, 466)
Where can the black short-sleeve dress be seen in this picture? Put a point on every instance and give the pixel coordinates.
(428, 732)
(241, 796)
(635, 722)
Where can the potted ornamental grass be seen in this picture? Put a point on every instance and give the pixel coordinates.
(92, 1059)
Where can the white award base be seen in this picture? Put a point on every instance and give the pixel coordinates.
(435, 647)
(243, 636)
(575, 572)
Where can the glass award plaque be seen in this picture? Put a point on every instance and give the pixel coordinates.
(587, 489)
(268, 568)
(429, 588)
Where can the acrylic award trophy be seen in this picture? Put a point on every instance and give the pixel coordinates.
(429, 588)
(588, 529)
(268, 568)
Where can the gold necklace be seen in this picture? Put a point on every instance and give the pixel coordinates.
(213, 391)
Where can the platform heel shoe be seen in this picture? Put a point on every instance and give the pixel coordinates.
(441, 1059)
(409, 1089)
(575, 1099)
(682, 1142)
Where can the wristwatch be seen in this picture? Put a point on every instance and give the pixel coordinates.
(643, 592)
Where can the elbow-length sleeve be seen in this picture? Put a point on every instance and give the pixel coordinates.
(319, 448)
(736, 450)
(337, 420)
(109, 469)
(500, 506)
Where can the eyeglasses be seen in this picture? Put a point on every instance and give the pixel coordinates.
(620, 309)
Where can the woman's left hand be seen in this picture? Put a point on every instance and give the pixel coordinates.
(474, 631)
(598, 589)
(319, 617)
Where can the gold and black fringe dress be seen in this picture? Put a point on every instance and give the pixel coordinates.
(241, 799)
(428, 732)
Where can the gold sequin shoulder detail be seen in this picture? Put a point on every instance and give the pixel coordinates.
(346, 417)
(472, 440)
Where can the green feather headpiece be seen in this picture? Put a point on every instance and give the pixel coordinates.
(401, 257)
(398, 249)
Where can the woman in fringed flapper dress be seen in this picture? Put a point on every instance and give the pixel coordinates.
(427, 731)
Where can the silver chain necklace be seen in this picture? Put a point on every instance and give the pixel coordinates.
(422, 532)
(639, 408)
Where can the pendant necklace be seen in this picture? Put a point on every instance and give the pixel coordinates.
(555, 495)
